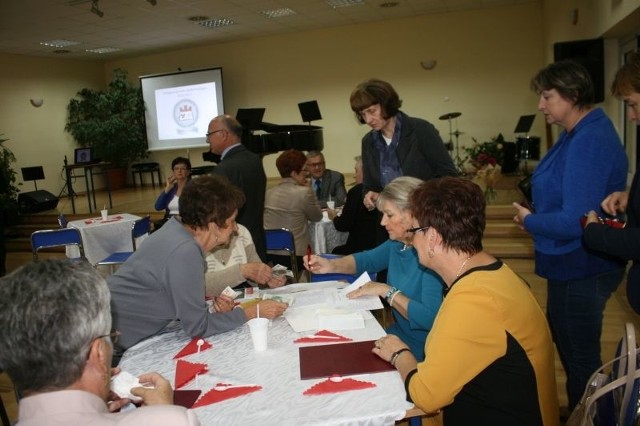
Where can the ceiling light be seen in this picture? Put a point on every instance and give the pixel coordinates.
(59, 43)
(95, 9)
(103, 50)
(198, 18)
(278, 13)
(344, 3)
(216, 23)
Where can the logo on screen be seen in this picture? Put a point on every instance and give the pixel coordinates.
(185, 113)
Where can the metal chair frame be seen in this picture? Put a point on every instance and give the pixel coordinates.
(138, 228)
(51, 238)
(282, 239)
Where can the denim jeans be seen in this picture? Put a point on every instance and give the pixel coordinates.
(575, 310)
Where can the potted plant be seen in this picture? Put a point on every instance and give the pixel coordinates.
(8, 197)
(111, 122)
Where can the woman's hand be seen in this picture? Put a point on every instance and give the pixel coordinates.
(223, 304)
(615, 203)
(592, 217)
(386, 346)
(268, 309)
(277, 280)
(257, 272)
(169, 184)
(521, 213)
(160, 394)
(369, 289)
(370, 200)
(317, 264)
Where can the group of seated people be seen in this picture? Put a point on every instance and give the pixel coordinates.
(435, 230)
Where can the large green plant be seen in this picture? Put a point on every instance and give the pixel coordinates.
(8, 189)
(110, 121)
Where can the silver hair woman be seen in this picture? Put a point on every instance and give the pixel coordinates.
(55, 324)
(414, 292)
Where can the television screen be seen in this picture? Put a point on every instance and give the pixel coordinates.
(179, 107)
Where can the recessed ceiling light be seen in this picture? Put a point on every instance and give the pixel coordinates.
(216, 23)
(59, 43)
(344, 3)
(389, 4)
(198, 18)
(278, 13)
(103, 50)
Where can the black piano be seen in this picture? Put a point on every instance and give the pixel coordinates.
(267, 138)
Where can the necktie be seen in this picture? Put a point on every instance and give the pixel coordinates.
(317, 184)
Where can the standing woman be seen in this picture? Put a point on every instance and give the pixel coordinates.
(168, 199)
(624, 243)
(585, 164)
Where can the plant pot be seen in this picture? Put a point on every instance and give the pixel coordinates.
(117, 177)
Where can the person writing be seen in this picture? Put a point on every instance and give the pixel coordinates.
(168, 200)
(623, 243)
(164, 280)
(571, 180)
(489, 358)
(414, 292)
(58, 352)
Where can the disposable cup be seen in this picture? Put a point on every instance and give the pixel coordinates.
(258, 328)
(105, 214)
(331, 204)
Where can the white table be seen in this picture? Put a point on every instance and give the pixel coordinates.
(102, 238)
(281, 400)
(325, 237)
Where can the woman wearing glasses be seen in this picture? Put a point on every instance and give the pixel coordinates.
(489, 357)
(168, 199)
(414, 292)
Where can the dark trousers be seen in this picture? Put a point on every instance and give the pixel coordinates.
(575, 310)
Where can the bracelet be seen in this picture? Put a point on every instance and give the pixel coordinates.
(393, 296)
(391, 291)
(396, 354)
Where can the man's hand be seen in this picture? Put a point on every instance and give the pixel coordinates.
(160, 394)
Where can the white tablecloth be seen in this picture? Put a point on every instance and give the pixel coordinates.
(102, 238)
(325, 237)
(281, 400)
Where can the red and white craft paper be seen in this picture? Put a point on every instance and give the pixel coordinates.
(192, 348)
(214, 395)
(338, 384)
(187, 371)
(328, 338)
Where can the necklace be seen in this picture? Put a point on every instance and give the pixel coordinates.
(462, 266)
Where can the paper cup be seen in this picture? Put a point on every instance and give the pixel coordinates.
(258, 328)
(105, 214)
(331, 204)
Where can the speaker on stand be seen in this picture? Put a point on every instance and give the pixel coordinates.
(38, 200)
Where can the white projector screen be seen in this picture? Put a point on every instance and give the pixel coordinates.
(179, 107)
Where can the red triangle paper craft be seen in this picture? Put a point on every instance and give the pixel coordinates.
(214, 395)
(192, 348)
(337, 384)
(186, 398)
(186, 371)
(323, 336)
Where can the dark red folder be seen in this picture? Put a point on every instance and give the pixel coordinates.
(343, 359)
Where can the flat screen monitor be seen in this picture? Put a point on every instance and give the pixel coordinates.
(83, 156)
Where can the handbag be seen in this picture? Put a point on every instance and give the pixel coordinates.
(525, 188)
(612, 399)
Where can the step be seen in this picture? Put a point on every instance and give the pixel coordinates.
(520, 248)
(503, 229)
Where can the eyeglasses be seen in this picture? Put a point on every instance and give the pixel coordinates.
(315, 164)
(114, 336)
(418, 229)
(215, 131)
(184, 169)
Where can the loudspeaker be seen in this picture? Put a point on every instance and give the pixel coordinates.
(36, 201)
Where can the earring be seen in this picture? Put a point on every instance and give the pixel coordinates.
(431, 253)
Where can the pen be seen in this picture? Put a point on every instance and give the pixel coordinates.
(309, 254)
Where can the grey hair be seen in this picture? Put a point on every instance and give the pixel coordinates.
(50, 313)
(312, 154)
(398, 192)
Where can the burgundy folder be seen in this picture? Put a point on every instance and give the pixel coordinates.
(343, 359)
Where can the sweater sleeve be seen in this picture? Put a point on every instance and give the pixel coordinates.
(165, 198)
(623, 243)
(422, 312)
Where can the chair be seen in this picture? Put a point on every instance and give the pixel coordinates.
(139, 228)
(282, 239)
(62, 220)
(56, 238)
(141, 168)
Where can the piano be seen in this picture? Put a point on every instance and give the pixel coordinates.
(273, 137)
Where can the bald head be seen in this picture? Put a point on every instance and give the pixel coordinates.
(223, 132)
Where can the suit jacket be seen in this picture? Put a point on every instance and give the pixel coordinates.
(359, 222)
(332, 184)
(292, 206)
(245, 170)
(77, 407)
(421, 153)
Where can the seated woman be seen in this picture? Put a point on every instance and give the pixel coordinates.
(360, 222)
(291, 204)
(489, 359)
(164, 280)
(168, 199)
(414, 292)
(237, 262)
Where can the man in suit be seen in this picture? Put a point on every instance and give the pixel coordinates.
(327, 184)
(245, 170)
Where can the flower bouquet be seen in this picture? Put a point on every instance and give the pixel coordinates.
(486, 178)
(486, 153)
